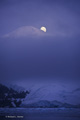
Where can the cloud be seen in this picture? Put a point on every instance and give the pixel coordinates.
(76, 90)
(25, 31)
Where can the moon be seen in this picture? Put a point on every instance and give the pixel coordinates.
(43, 29)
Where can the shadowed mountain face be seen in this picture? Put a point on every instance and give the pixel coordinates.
(10, 97)
(50, 104)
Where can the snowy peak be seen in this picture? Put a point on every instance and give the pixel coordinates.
(25, 31)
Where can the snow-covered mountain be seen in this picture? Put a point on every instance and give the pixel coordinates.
(13, 98)
(50, 92)
(25, 31)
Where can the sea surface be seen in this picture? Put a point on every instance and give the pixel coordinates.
(39, 114)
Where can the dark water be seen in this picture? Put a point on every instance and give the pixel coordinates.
(39, 114)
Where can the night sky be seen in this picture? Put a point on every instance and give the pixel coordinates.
(33, 59)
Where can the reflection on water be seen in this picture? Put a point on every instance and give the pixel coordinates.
(39, 114)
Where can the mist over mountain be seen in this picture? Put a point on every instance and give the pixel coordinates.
(48, 66)
(40, 59)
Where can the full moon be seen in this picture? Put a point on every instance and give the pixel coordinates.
(43, 29)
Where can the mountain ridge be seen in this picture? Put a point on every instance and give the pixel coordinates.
(25, 31)
(49, 104)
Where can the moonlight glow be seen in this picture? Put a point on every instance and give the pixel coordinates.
(43, 29)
